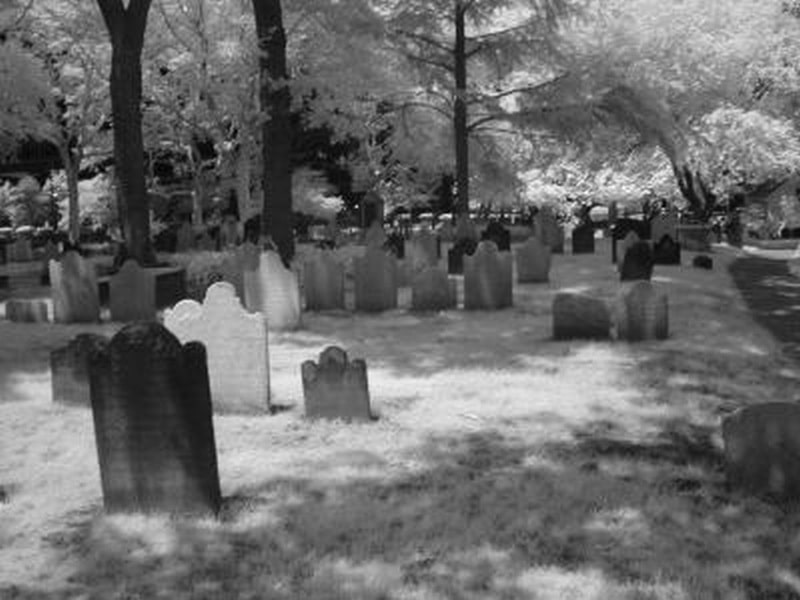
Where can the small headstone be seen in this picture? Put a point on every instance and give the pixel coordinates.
(642, 313)
(184, 241)
(74, 287)
(664, 224)
(702, 261)
(666, 251)
(49, 252)
(336, 388)
(533, 262)
(579, 316)
(273, 290)
(488, 278)
(153, 423)
(638, 262)
(323, 282)
(422, 250)
(132, 294)
(762, 450)
(69, 369)
(376, 281)
(26, 311)
(432, 289)
(583, 238)
(375, 236)
(236, 344)
(498, 234)
(455, 255)
(20, 250)
(547, 229)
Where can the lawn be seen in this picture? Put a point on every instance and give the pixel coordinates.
(502, 465)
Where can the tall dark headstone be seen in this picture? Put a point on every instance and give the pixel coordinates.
(69, 369)
(583, 238)
(495, 232)
(703, 261)
(621, 230)
(336, 388)
(153, 427)
(455, 255)
(666, 251)
(638, 262)
(580, 316)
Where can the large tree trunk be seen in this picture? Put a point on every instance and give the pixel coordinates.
(72, 162)
(126, 27)
(460, 130)
(276, 217)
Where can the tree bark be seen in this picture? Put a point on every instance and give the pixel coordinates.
(72, 164)
(126, 28)
(461, 133)
(276, 215)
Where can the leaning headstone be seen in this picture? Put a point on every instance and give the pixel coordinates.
(74, 287)
(702, 261)
(583, 238)
(498, 234)
(272, 290)
(488, 278)
(323, 282)
(579, 316)
(69, 369)
(26, 311)
(762, 450)
(533, 262)
(642, 313)
(153, 423)
(376, 281)
(666, 251)
(20, 250)
(236, 344)
(336, 388)
(547, 229)
(184, 238)
(638, 262)
(132, 293)
(432, 289)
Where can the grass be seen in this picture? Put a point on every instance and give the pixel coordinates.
(503, 466)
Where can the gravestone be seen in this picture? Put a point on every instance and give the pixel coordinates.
(26, 311)
(579, 316)
(396, 244)
(153, 423)
(233, 272)
(533, 261)
(498, 234)
(73, 285)
(695, 238)
(323, 282)
(422, 250)
(69, 369)
(376, 281)
(272, 290)
(488, 278)
(132, 294)
(702, 261)
(20, 250)
(432, 289)
(336, 388)
(621, 232)
(638, 262)
(184, 238)
(642, 313)
(666, 251)
(664, 224)
(49, 252)
(612, 213)
(583, 238)
(236, 345)
(762, 450)
(375, 235)
(547, 229)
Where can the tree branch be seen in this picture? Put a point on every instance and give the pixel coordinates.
(429, 61)
(424, 39)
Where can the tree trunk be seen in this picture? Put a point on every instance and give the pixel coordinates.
(276, 216)
(242, 170)
(198, 189)
(72, 164)
(460, 114)
(126, 27)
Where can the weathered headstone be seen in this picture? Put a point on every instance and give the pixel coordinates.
(702, 261)
(642, 313)
(762, 450)
(153, 423)
(376, 281)
(422, 250)
(74, 288)
(69, 369)
(533, 261)
(664, 224)
(233, 272)
(666, 251)
(132, 292)
(236, 344)
(579, 316)
(432, 289)
(323, 282)
(488, 278)
(272, 290)
(638, 262)
(336, 388)
(49, 252)
(375, 235)
(26, 311)
(583, 238)
(184, 238)
(548, 230)
(498, 234)
(20, 250)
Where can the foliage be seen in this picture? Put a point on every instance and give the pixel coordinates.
(97, 207)
(311, 194)
(26, 203)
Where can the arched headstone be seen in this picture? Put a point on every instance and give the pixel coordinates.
(583, 238)
(666, 251)
(579, 316)
(273, 290)
(488, 278)
(323, 282)
(548, 230)
(69, 369)
(132, 293)
(336, 388)
(638, 262)
(74, 288)
(376, 281)
(533, 262)
(642, 313)
(432, 289)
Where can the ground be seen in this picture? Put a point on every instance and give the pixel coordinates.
(502, 465)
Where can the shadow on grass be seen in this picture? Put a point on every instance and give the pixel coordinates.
(487, 518)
